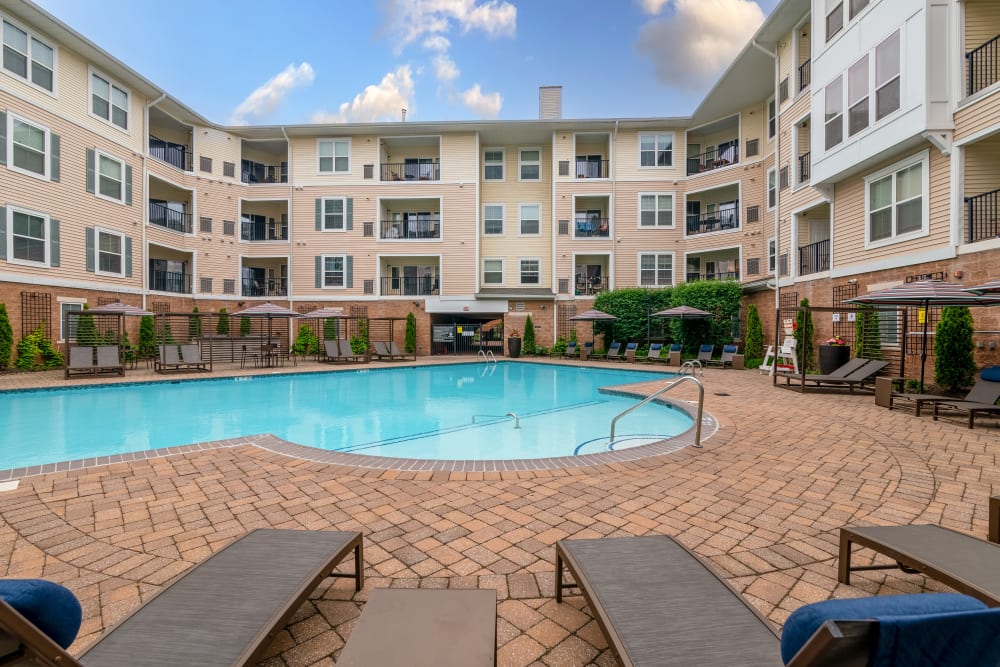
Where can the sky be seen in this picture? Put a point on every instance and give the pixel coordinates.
(328, 61)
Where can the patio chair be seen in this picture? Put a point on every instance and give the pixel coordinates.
(986, 392)
(728, 351)
(587, 350)
(347, 352)
(981, 399)
(861, 375)
(169, 360)
(331, 349)
(224, 611)
(673, 357)
(396, 352)
(629, 355)
(572, 352)
(653, 354)
(614, 352)
(81, 361)
(705, 353)
(109, 360)
(383, 352)
(191, 358)
(249, 355)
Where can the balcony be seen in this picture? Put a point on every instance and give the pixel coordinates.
(176, 155)
(982, 219)
(715, 158)
(256, 172)
(591, 227)
(170, 281)
(805, 74)
(257, 228)
(692, 277)
(714, 221)
(417, 169)
(410, 285)
(274, 287)
(164, 216)
(411, 227)
(588, 168)
(814, 257)
(983, 66)
(804, 163)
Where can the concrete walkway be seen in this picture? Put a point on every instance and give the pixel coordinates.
(762, 501)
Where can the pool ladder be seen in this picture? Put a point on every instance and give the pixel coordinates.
(486, 356)
(663, 390)
(694, 366)
(517, 420)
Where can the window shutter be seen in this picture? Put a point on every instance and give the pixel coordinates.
(90, 171)
(54, 146)
(3, 137)
(54, 245)
(350, 213)
(128, 256)
(89, 248)
(349, 271)
(319, 270)
(128, 184)
(319, 218)
(564, 167)
(3, 231)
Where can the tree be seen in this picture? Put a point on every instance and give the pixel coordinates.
(867, 334)
(331, 328)
(632, 306)
(244, 326)
(6, 337)
(359, 343)
(194, 324)
(719, 297)
(222, 326)
(954, 365)
(410, 341)
(804, 332)
(147, 336)
(86, 331)
(753, 347)
(529, 336)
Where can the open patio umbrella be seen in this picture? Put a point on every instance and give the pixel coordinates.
(683, 313)
(924, 294)
(268, 310)
(118, 308)
(594, 316)
(989, 288)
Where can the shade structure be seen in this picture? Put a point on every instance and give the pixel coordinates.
(268, 310)
(684, 313)
(593, 316)
(326, 314)
(989, 288)
(924, 294)
(118, 308)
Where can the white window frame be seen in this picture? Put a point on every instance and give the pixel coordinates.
(772, 119)
(31, 37)
(112, 84)
(772, 187)
(772, 255)
(343, 214)
(63, 320)
(319, 158)
(898, 78)
(863, 64)
(656, 149)
(98, 154)
(11, 209)
(922, 158)
(656, 254)
(656, 210)
(521, 164)
(502, 164)
(97, 251)
(839, 116)
(493, 259)
(503, 215)
(46, 158)
(343, 271)
(520, 271)
(520, 220)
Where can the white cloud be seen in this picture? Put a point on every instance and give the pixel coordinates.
(376, 102)
(269, 96)
(691, 47)
(409, 20)
(487, 105)
(445, 68)
(438, 43)
(652, 7)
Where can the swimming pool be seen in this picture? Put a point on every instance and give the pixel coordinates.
(455, 411)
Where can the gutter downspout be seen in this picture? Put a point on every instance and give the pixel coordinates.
(291, 192)
(144, 288)
(614, 204)
(554, 226)
(777, 189)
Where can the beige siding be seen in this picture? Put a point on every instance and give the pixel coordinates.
(626, 157)
(982, 166)
(753, 125)
(305, 160)
(982, 23)
(983, 114)
(459, 158)
(787, 66)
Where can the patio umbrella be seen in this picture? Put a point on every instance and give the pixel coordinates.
(683, 313)
(326, 314)
(268, 310)
(118, 308)
(991, 287)
(593, 316)
(924, 294)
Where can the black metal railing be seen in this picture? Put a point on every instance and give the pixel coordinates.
(713, 159)
(173, 154)
(411, 171)
(410, 285)
(586, 285)
(717, 275)
(592, 228)
(593, 168)
(264, 287)
(253, 230)
(814, 257)
(982, 213)
(164, 216)
(255, 172)
(170, 281)
(983, 65)
(804, 164)
(419, 227)
(715, 221)
(805, 74)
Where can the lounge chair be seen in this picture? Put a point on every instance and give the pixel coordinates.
(347, 352)
(728, 351)
(587, 350)
(109, 360)
(169, 360)
(653, 354)
(571, 351)
(861, 375)
(224, 611)
(629, 355)
(614, 352)
(705, 353)
(981, 398)
(81, 361)
(399, 354)
(191, 358)
(673, 356)
(331, 349)
(383, 352)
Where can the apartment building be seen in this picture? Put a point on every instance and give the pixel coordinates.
(850, 145)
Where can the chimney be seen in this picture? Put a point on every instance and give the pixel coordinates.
(549, 102)
(404, 114)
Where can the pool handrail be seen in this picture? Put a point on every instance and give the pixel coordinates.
(662, 390)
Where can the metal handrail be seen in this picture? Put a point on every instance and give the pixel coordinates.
(486, 355)
(692, 365)
(683, 378)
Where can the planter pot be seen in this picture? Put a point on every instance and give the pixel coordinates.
(513, 347)
(832, 357)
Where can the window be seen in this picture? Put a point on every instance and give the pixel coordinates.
(492, 271)
(67, 324)
(29, 146)
(772, 255)
(857, 6)
(493, 219)
(887, 76)
(530, 272)
(656, 150)
(109, 101)
(493, 164)
(109, 248)
(333, 215)
(772, 119)
(834, 18)
(531, 168)
(772, 189)
(857, 97)
(530, 219)
(334, 156)
(656, 210)
(110, 177)
(895, 201)
(656, 269)
(834, 117)
(20, 49)
(27, 237)
(333, 271)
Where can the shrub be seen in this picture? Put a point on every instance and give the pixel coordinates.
(529, 336)
(194, 324)
(36, 352)
(86, 331)
(410, 342)
(753, 347)
(306, 342)
(6, 338)
(559, 348)
(804, 332)
(867, 335)
(244, 326)
(331, 327)
(147, 336)
(720, 297)
(359, 343)
(954, 365)
(222, 326)
(631, 306)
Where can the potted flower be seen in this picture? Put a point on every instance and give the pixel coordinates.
(833, 353)
(514, 344)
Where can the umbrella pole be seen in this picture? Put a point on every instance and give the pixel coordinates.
(923, 347)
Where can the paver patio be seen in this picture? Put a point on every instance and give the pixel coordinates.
(762, 501)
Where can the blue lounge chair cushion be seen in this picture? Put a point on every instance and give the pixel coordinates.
(51, 608)
(888, 609)
(992, 374)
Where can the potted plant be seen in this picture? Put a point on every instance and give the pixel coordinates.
(833, 353)
(514, 344)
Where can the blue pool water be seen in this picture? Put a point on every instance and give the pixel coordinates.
(434, 412)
